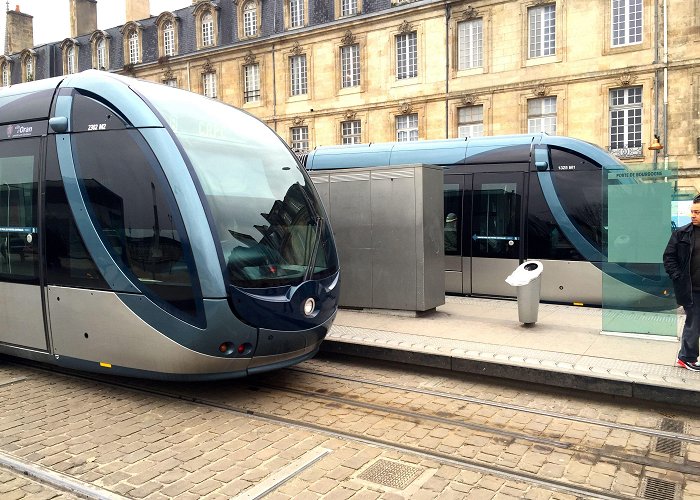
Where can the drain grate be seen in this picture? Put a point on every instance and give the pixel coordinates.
(391, 474)
(667, 445)
(659, 489)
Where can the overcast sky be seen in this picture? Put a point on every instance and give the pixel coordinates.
(51, 22)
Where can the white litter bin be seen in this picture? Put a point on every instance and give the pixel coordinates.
(527, 280)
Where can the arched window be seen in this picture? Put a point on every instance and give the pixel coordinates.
(168, 39)
(29, 69)
(133, 47)
(206, 16)
(69, 54)
(70, 60)
(207, 29)
(101, 54)
(100, 50)
(6, 80)
(250, 19)
(168, 25)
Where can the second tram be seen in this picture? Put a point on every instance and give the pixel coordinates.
(518, 197)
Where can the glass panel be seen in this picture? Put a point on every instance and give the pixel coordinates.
(18, 223)
(68, 262)
(545, 238)
(453, 219)
(264, 207)
(136, 215)
(496, 217)
(637, 293)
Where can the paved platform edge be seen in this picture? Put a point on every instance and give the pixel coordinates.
(568, 380)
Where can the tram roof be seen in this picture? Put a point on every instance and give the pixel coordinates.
(449, 151)
(32, 100)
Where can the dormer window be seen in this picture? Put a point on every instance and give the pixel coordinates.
(207, 30)
(295, 13)
(6, 71)
(28, 60)
(250, 19)
(168, 26)
(206, 15)
(133, 47)
(168, 39)
(69, 51)
(132, 42)
(100, 50)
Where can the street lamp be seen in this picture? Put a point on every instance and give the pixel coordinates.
(656, 145)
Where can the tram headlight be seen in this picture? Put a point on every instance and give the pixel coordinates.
(309, 306)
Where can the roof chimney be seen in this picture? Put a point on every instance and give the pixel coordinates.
(137, 10)
(19, 31)
(83, 17)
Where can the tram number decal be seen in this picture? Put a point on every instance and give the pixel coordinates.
(97, 126)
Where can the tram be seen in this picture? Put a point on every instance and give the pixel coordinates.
(517, 197)
(152, 232)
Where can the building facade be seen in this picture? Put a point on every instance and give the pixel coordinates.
(616, 73)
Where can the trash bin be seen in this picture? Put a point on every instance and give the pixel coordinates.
(526, 279)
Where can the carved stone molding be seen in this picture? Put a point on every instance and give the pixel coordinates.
(405, 108)
(470, 13)
(541, 90)
(626, 79)
(297, 121)
(348, 38)
(350, 115)
(297, 49)
(405, 27)
(249, 58)
(168, 74)
(207, 67)
(469, 99)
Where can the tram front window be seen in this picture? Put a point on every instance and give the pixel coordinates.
(268, 219)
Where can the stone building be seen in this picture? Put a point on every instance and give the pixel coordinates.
(612, 72)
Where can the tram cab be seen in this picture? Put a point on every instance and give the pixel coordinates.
(153, 232)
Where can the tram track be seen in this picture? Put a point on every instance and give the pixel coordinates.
(519, 408)
(508, 473)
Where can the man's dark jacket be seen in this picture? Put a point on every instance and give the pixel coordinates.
(677, 263)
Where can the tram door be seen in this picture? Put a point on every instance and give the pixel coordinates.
(488, 209)
(21, 309)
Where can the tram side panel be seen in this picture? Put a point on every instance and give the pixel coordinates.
(567, 277)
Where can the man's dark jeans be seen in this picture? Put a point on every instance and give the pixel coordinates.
(691, 331)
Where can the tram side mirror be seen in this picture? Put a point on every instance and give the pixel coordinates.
(541, 166)
(59, 124)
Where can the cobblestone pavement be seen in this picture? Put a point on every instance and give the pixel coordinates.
(145, 445)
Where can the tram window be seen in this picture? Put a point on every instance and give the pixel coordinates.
(137, 219)
(453, 223)
(263, 206)
(580, 194)
(545, 239)
(91, 115)
(496, 220)
(19, 258)
(563, 160)
(68, 262)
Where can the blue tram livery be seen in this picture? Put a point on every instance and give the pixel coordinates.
(152, 232)
(516, 197)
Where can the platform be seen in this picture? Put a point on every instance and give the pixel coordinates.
(564, 348)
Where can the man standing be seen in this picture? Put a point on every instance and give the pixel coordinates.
(682, 263)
